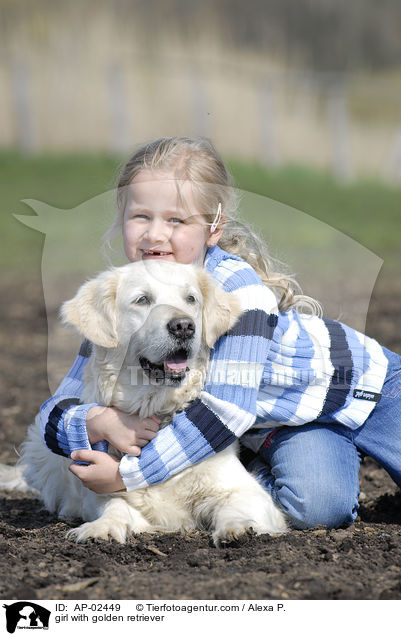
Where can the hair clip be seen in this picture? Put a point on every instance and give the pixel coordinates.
(217, 219)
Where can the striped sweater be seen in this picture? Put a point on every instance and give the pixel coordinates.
(272, 369)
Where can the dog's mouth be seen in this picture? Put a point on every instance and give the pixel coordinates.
(172, 368)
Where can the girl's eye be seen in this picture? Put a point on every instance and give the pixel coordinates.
(175, 220)
(191, 299)
(142, 300)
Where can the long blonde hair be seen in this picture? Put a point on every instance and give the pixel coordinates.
(197, 161)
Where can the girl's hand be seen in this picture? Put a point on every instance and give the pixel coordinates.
(127, 433)
(102, 476)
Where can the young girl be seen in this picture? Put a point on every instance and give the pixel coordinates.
(307, 395)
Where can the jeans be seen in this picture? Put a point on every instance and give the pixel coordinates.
(311, 471)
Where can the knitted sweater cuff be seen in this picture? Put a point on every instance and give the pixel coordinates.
(131, 474)
(75, 429)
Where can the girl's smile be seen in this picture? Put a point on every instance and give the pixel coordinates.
(158, 226)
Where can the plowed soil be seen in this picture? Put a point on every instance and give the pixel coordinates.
(37, 562)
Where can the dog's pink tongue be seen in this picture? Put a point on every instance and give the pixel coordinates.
(173, 365)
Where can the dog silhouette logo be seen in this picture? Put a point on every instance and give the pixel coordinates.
(26, 615)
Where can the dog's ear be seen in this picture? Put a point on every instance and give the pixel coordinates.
(92, 311)
(221, 309)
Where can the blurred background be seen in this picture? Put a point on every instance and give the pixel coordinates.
(315, 82)
(301, 97)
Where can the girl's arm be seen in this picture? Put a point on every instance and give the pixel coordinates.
(227, 406)
(63, 417)
(68, 426)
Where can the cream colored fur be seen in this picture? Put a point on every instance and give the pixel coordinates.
(218, 493)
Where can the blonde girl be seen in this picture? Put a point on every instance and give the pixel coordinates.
(305, 395)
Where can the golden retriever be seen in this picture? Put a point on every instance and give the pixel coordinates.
(152, 326)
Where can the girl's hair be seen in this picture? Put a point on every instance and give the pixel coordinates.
(197, 161)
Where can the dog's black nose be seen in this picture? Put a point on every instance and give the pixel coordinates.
(181, 328)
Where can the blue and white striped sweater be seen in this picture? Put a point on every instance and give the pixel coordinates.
(271, 369)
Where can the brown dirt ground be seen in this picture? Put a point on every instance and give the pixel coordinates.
(37, 562)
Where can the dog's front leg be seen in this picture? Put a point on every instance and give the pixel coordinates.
(118, 521)
(234, 502)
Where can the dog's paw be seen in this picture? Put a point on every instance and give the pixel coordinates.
(229, 530)
(230, 534)
(98, 529)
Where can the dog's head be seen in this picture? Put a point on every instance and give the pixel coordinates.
(158, 312)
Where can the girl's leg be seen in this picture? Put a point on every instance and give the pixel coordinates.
(380, 436)
(311, 472)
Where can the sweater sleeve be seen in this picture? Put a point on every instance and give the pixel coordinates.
(226, 407)
(63, 417)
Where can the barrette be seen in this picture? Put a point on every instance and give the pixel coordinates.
(217, 219)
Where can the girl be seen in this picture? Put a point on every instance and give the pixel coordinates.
(307, 395)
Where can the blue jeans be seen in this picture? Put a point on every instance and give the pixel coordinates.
(311, 471)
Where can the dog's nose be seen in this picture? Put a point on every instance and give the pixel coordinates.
(181, 328)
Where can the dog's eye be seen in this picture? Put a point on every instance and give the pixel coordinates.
(191, 299)
(142, 300)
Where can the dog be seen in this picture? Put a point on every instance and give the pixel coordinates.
(151, 326)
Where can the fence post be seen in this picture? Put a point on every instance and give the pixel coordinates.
(269, 151)
(337, 109)
(26, 133)
(199, 104)
(392, 169)
(121, 133)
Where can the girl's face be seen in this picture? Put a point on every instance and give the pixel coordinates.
(157, 226)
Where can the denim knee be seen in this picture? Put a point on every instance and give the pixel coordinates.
(311, 472)
(329, 508)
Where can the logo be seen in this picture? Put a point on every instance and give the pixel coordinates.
(360, 394)
(26, 615)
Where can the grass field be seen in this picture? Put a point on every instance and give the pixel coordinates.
(367, 211)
